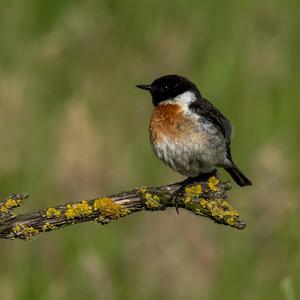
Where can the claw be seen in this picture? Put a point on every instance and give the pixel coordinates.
(176, 203)
(176, 207)
(176, 196)
(180, 192)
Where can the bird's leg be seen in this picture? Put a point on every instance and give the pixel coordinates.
(180, 192)
(206, 176)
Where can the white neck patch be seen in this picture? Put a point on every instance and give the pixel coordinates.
(185, 98)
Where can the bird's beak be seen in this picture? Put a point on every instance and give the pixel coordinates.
(146, 87)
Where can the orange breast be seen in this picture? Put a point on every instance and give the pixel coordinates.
(169, 120)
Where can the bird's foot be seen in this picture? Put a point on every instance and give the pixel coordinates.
(181, 191)
(176, 195)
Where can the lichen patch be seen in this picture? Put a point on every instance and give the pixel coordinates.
(23, 232)
(152, 201)
(78, 210)
(53, 212)
(9, 204)
(109, 209)
(213, 183)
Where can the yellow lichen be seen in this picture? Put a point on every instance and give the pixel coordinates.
(16, 229)
(48, 226)
(216, 211)
(213, 183)
(192, 191)
(70, 213)
(77, 210)
(3, 209)
(9, 204)
(143, 189)
(203, 202)
(152, 201)
(109, 209)
(101, 219)
(219, 209)
(230, 221)
(53, 212)
(187, 199)
(23, 231)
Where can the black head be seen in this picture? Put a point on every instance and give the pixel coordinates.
(168, 87)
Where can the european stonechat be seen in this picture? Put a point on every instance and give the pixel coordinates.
(187, 132)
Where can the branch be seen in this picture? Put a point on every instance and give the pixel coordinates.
(204, 198)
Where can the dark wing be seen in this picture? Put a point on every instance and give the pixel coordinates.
(205, 109)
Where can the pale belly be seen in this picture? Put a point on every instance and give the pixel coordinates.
(191, 152)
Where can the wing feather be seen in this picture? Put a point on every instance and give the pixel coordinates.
(207, 110)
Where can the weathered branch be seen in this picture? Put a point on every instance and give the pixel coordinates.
(205, 198)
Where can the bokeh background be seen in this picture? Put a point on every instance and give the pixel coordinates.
(73, 126)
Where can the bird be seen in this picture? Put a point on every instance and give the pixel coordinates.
(188, 133)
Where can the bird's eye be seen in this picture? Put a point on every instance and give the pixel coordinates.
(166, 87)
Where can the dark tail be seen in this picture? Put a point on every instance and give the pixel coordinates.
(237, 175)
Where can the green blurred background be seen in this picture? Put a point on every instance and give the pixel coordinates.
(73, 126)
